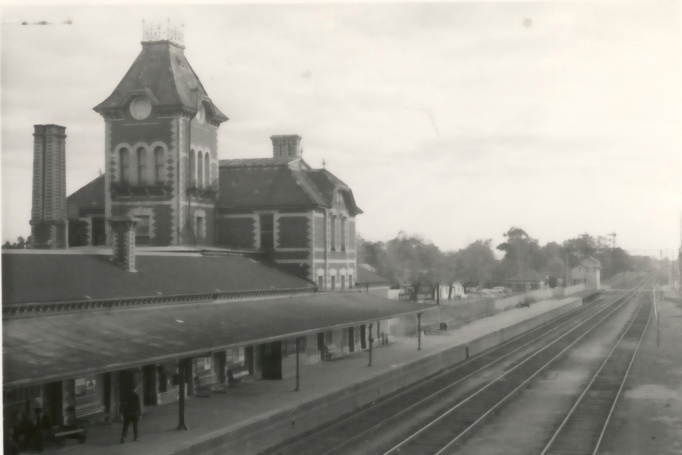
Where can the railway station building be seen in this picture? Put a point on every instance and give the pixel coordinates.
(176, 269)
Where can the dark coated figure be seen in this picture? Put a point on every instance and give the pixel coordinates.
(130, 413)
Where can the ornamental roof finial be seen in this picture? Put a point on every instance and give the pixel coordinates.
(171, 33)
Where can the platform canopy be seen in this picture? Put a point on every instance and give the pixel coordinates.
(47, 348)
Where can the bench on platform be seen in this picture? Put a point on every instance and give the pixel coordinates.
(60, 434)
(332, 352)
(204, 385)
(235, 375)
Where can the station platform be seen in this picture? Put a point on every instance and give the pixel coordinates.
(257, 414)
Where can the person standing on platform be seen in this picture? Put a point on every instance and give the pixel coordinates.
(130, 413)
(42, 428)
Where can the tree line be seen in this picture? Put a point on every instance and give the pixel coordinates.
(413, 262)
(20, 244)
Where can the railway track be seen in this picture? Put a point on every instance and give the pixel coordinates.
(360, 427)
(444, 432)
(583, 428)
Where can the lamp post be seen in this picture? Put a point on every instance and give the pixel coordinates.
(298, 370)
(371, 340)
(419, 331)
(182, 365)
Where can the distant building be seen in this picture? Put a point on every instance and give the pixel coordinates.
(451, 291)
(214, 269)
(527, 281)
(162, 167)
(587, 272)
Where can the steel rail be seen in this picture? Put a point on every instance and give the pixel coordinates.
(620, 389)
(445, 414)
(372, 429)
(554, 325)
(580, 400)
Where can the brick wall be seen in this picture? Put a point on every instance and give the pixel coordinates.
(293, 232)
(237, 232)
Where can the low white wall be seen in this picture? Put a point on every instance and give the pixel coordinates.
(570, 290)
(511, 302)
(494, 338)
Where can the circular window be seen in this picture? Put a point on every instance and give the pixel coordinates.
(140, 108)
(201, 114)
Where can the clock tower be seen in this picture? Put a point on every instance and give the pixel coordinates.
(161, 146)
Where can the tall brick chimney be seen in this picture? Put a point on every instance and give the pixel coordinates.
(49, 222)
(123, 241)
(286, 146)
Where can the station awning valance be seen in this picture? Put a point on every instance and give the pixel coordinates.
(46, 348)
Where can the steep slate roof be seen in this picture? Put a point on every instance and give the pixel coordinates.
(32, 277)
(89, 198)
(44, 348)
(162, 72)
(278, 182)
(368, 277)
(589, 261)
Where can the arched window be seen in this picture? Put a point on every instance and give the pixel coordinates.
(192, 169)
(125, 165)
(343, 234)
(207, 171)
(200, 170)
(333, 229)
(141, 166)
(159, 165)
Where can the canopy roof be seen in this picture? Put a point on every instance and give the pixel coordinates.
(47, 348)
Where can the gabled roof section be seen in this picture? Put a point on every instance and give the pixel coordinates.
(89, 198)
(367, 277)
(246, 184)
(589, 261)
(279, 182)
(327, 183)
(33, 277)
(162, 72)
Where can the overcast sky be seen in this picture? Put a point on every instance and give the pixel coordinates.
(454, 121)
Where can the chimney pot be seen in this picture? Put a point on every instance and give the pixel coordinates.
(49, 221)
(286, 146)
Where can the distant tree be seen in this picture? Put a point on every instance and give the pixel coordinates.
(413, 261)
(555, 262)
(446, 271)
(475, 263)
(21, 243)
(580, 248)
(521, 252)
(374, 254)
(613, 260)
